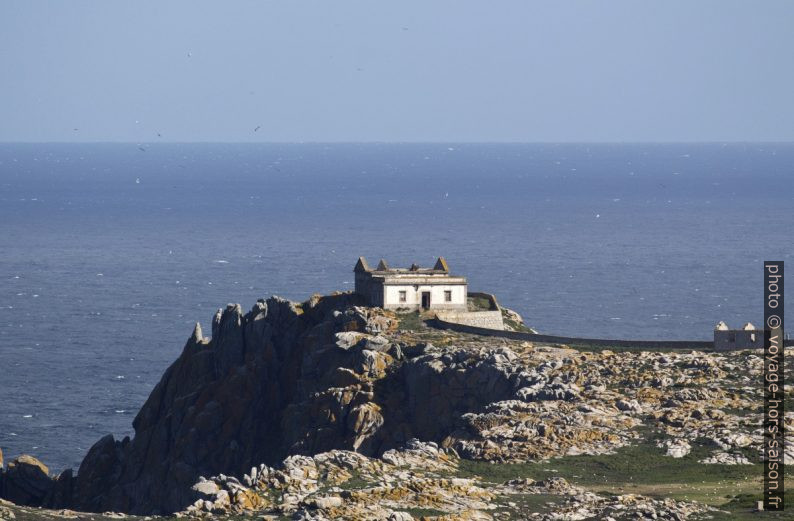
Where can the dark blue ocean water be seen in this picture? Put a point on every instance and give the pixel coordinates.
(109, 253)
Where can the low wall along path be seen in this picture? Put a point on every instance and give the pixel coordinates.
(574, 341)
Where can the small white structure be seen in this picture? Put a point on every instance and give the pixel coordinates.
(411, 288)
(748, 337)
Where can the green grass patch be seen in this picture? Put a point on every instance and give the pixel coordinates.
(355, 482)
(645, 469)
(478, 303)
(643, 464)
(418, 513)
(410, 321)
(515, 325)
(516, 506)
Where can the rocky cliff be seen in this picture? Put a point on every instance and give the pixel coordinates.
(325, 410)
(280, 380)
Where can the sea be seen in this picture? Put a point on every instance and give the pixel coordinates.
(109, 253)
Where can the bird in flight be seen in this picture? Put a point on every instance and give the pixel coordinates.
(142, 149)
(257, 128)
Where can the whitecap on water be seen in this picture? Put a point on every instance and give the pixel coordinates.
(120, 411)
(222, 261)
(28, 416)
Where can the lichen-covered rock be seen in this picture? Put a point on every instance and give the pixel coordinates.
(310, 487)
(676, 448)
(724, 458)
(26, 481)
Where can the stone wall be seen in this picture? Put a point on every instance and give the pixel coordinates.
(573, 341)
(727, 340)
(587, 342)
(483, 319)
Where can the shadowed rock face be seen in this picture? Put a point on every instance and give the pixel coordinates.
(26, 480)
(282, 379)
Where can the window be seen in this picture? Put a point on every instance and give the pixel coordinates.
(402, 296)
(447, 295)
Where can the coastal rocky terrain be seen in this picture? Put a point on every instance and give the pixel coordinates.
(329, 409)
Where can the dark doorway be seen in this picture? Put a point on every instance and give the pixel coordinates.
(425, 300)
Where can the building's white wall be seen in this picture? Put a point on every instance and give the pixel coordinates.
(413, 295)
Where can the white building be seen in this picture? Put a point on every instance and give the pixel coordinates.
(748, 337)
(411, 288)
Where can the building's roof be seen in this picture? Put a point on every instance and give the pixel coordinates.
(722, 326)
(408, 279)
(441, 268)
(361, 265)
(441, 264)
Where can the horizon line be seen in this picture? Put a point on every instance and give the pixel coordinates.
(204, 142)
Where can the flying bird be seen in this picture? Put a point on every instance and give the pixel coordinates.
(142, 149)
(257, 128)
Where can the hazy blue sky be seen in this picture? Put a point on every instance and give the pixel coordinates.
(397, 71)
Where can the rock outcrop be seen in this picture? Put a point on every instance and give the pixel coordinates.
(346, 485)
(287, 379)
(26, 481)
(324, 410)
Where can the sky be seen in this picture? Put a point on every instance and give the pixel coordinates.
(407, 71)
